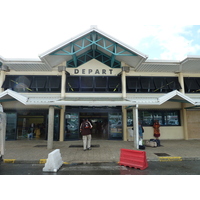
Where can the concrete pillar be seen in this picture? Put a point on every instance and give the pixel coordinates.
(124, 115)
(181, 81)
(185, 127)
(63, 84)
(2, 78)
(135, 127)
(123, 84)
(50, 128)
(62, 123)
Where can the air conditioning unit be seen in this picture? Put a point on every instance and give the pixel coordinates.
(61, 68)
(126, 69)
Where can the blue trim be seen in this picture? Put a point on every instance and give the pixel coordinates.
(92, 41)
(94, 54)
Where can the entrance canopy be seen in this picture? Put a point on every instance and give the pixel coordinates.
(174, 96)
(55, 100)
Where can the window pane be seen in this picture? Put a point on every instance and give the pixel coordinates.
(130, 118)
(158, 115)
(39, 82)
(147, 83)
(146, 118)
(115, 126)
(172, 118)
(72, 83)
(71, 126)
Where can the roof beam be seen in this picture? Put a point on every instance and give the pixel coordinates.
(73, 55)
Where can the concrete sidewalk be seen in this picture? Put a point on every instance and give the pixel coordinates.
(33, 151)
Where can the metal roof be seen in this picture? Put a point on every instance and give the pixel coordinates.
(190, 64)
(175, 96)
(24, 64)
(8, 95)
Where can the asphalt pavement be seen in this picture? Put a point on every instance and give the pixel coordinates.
(154, 168)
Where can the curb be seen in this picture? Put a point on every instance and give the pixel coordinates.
(43, 161)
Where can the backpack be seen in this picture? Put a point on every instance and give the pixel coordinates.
(157, 141)
(86, 125)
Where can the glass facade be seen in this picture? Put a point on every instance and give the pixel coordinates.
(151, 84)
(28, 83)
(23, 122)
(147, 117)
(71, 126)
(11, 131)
(115, 126)
(111, 84)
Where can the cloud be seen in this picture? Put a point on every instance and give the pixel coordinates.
(170, 42)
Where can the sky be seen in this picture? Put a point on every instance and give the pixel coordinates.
(29, 28)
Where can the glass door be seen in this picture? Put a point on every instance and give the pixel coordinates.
(115, 125)
(11, 133)
(72, 126)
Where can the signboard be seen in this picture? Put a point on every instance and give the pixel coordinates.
(94, 68)
(2, 132)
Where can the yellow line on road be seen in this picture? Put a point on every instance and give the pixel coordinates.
(165, 159)
(9, 160)
(42, 161)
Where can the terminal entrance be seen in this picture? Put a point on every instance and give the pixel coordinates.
(106, 122)
(99, 122)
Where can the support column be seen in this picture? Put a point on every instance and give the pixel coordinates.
(62, 123)
(124, 115)
(135, 127)
(2, 78)
(185, 127)
(123, 84)
(63, 84)
(181, 81)
(50, 128)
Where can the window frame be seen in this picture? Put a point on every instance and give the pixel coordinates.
(164, 117)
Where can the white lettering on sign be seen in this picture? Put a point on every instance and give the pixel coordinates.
(94, 71)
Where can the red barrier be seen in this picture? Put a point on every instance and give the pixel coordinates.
(133, 158)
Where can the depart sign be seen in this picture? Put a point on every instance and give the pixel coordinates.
(93, 71)
(94, 68)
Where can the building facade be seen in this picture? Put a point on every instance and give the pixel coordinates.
(97, 77)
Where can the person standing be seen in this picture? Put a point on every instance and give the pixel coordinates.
(156, 131)
(141, 130)
(85, 130)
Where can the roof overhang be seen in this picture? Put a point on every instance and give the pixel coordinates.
(74, 101)
(93, 39)
(23, 65)
(188, 65)
(174, 96)
(10, 95)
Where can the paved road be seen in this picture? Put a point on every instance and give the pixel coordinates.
(154, 168)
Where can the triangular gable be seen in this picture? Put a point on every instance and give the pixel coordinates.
(9, 94)
(176, 96)
(96, 41)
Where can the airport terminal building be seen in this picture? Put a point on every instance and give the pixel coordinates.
(98, 77)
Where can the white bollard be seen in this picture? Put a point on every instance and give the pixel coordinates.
(54, 161)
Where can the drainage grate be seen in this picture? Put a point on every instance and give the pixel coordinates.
(40, 146)
(162, 154)
(81, 146)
